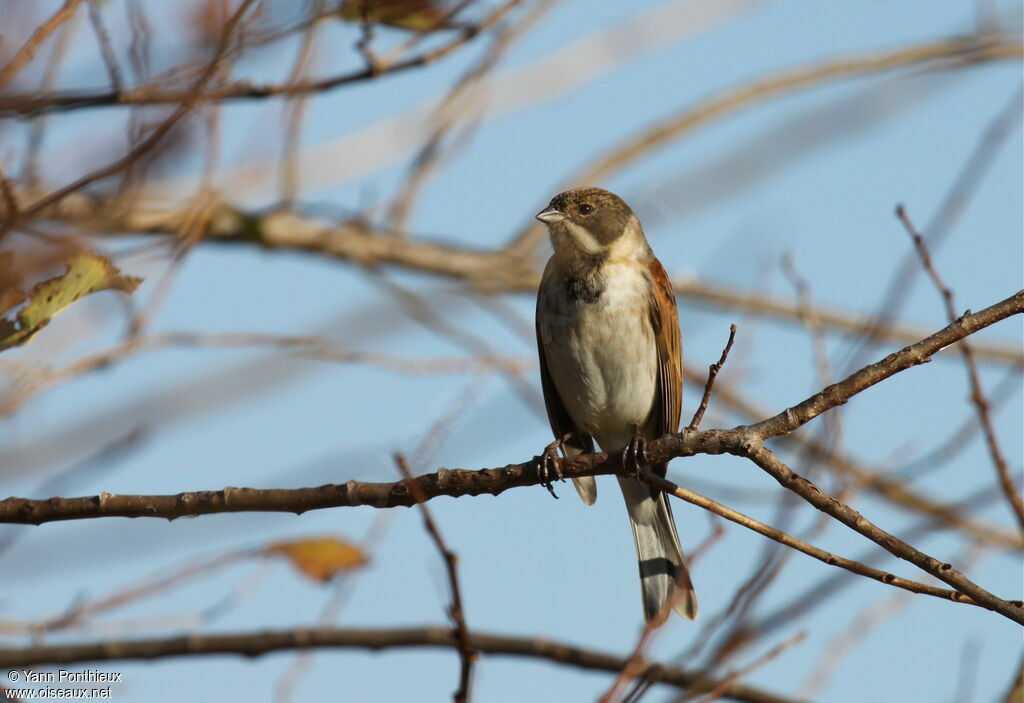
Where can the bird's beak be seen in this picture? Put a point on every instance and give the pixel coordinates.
(550, 216)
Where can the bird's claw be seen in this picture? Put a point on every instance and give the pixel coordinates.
(549, 469)
(634, 455)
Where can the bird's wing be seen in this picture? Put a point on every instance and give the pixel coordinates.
(664, 417)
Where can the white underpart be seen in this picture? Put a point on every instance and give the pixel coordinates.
(602, 356)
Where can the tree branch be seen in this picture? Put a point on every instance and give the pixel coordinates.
(978, 398)
(496, 270)
(459, 482)
(919, 353)
(259, 643)
(29, 105)
(455, 610)
(712, 375)
(42, 33)
(965, 49)
(787, 540)
(745, 441)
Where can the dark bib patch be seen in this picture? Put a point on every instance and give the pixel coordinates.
(585, 289)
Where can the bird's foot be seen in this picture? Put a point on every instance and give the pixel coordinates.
(549, 468)
(634, 455)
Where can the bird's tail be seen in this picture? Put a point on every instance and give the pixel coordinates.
(662, 564)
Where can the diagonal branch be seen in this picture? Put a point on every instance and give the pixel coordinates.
(967, 50)
(978, 398)
(42, 33)
(787, 540)
(455, 611)
(919, 353)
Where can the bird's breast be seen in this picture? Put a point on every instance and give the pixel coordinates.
(602, 355)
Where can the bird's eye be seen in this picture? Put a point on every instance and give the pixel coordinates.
(586, 209)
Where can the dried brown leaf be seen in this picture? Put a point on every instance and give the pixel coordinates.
(320, 559)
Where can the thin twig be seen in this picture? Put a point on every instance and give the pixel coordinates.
(771, 654)
(106, 50)
(152, 94)
(455, 611)
(187, 104)
(763, 88)
(787, 540)
(712, 373)
(29, 48)
(978, 397)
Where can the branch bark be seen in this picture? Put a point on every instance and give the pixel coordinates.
(497, 270)
(744, 441)
(460, 482)
(30, 105)
(259, 643)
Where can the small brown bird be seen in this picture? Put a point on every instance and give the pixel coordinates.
(611, 366)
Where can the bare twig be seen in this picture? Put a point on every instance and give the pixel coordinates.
(106, 50)
(460, 632)
(763, 88)
(186, 105)
(243, 90)
(978, 397)
(712, 374)
(40, 35)
(782, 538)
(773, 653)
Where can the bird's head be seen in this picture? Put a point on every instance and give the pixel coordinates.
(592, 222)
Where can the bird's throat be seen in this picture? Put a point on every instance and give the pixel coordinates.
(584, 282)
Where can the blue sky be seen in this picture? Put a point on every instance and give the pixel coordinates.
(814, 175)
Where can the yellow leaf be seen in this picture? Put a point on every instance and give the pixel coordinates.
(87, 272)
(414, 15)
(320, 558)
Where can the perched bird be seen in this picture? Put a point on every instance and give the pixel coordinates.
(611, 366)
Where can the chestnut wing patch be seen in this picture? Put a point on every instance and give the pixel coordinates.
(667, 408)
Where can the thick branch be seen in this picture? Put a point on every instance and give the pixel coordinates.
(259, 643)
(459, 482)
(741, 441)
(497, 270)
